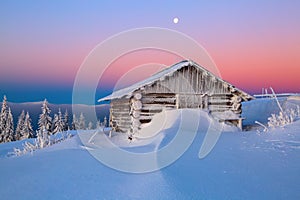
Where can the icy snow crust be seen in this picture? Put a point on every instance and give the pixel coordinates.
(242, 165)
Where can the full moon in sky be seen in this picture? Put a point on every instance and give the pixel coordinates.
(175, 20)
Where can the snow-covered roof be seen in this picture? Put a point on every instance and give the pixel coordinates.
(127, 92)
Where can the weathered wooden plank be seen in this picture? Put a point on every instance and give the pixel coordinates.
(190, 101)
(170, 100)
(123, 123)
(120, 112)
(212, 107)
(149, 113)
(152, 109)
(119, 118)
(220, 104)
(158, 95)
(220, 95)
(157, 106)
(219, 101)
(161, 104)
(120, 106)
(145, 105)
(222, 110)
(122, 118)
(122, 100)
(116, 116)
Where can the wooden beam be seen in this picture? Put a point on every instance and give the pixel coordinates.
(170, 100)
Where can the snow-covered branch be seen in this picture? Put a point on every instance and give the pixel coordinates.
(43, 140)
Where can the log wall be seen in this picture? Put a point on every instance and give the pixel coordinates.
(153, 103)
(119, 115)
(187, 88)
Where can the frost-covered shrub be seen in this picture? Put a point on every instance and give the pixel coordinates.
(43, 140)
(27, 148)
(283, 118)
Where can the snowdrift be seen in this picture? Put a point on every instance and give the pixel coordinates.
(242, 165)
(261, 109)
(185, 119)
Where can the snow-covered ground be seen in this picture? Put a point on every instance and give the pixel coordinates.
(242, 165)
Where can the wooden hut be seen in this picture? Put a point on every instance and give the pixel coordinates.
(183, 85)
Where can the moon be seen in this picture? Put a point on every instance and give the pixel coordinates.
(175, 20)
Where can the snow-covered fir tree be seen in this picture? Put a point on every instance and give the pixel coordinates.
(81, 122)
(55, 118)
(43, 139)
(45, 121)
(3, 118)
(6, 123)
(27, 130)
(66, 121)
(59, 123)
(90, 126)
(105, 121)
(98, 124)
(75, 123)
(20, 126)
(8, 135)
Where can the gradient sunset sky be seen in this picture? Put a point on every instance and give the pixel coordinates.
(255, 44)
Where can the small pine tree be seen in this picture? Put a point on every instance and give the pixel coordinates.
(54, 121)
(8, 135)
(98, 124)
(27, 130)
(81, 122)
(90, 126)
(105, 122)
(45, 119)
(66, 121)
(3, 118)
(20, 126)
(75, 123)
(59, 124)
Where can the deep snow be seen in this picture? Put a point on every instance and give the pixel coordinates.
(242, 165)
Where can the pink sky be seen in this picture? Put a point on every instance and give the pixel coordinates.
(255, 44)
